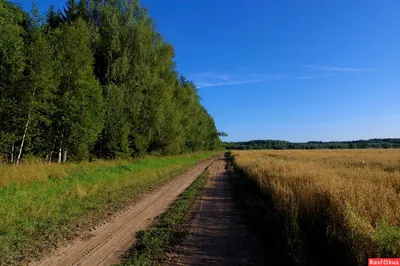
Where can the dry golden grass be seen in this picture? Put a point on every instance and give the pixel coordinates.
(354, 194)
(41, 204)
(36, 170)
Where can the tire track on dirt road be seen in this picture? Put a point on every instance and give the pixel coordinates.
(218, 233)
(110, 240)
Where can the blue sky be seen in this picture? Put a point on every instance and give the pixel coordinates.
(291, 70)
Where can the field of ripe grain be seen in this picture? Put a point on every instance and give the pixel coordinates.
(347, 198)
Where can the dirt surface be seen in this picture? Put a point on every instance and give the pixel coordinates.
(218, 235)
(109, 241)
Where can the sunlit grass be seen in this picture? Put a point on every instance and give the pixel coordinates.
(354, 194)
(153, 243)
(41, 204)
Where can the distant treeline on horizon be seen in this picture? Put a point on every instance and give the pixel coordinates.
(311, 145)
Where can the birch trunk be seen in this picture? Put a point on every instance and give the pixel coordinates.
(26, 128)
(51, 152)
(12, 152)
(60, 150)
(23, 139)
(65, 154)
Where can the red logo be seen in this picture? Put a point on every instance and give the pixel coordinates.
(384, 261)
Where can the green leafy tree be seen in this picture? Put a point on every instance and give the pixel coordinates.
(40, 83)
(115, 67)
(12, 63)
(80, 103)
(94, 80)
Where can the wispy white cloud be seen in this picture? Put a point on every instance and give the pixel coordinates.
(332, 68)
(224, 83)
(315, 77)
(205, 48)
(209, 75)
(209, 79)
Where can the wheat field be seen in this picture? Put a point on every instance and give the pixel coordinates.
(352, 195)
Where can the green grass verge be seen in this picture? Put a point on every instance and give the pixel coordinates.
(153, 243)
(36, 215)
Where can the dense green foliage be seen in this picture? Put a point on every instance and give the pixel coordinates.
(282, 145)
(95, 80)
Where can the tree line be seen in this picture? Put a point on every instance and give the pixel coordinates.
(93, 80)
(283, 145)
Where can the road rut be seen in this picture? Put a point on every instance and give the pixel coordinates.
(110, 240)
(218, 233)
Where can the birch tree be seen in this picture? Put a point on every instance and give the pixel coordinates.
(96, 79)
(12, 63)
(40, 82)
(80, 103)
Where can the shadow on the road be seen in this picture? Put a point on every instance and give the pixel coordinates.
(218, 235)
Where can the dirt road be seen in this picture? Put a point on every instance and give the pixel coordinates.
(218, 235)
(110, 240)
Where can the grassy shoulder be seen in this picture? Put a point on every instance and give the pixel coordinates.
(36, 213)
(153, 243)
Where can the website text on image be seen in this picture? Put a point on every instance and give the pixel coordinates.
(384, 261)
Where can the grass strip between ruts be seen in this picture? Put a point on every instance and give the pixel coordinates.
(153, 243)
(36, 216)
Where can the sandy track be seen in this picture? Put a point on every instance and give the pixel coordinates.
(110, 240)
(218, 235)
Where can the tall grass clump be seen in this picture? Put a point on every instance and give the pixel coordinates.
(346, 203)
(43, 204)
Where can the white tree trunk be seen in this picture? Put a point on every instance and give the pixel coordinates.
(23, 139)
(51, 152)
(65, 154)
(26, 129)
(60, 150)
(12, 152)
